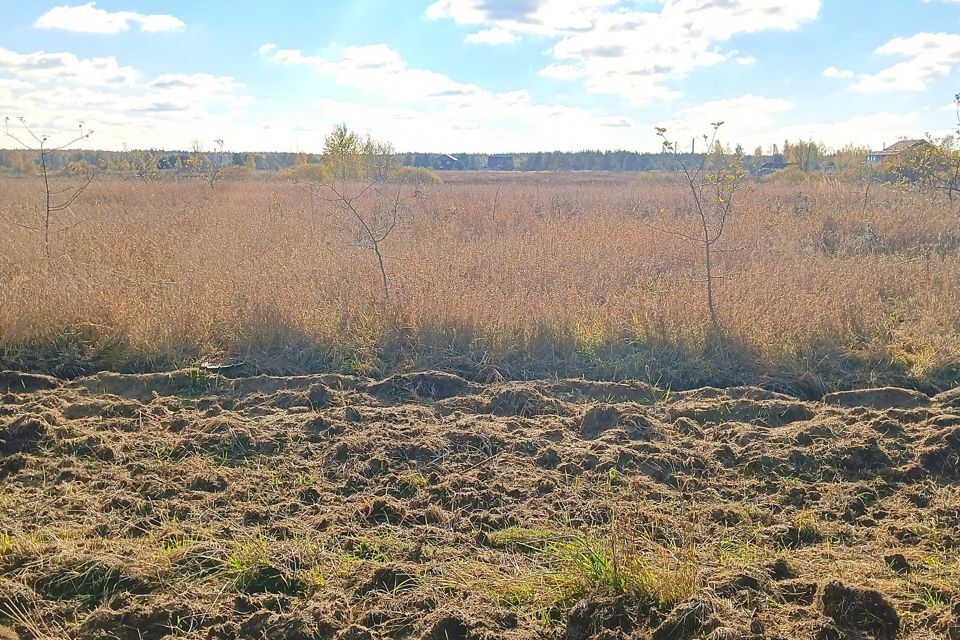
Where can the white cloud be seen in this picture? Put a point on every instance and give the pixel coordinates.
(378, 69)
(718, 20)
(870, 130)
(495, 122)
(741, 117)
(14, 83)
(833, 72)
(416, 108)
(52, 91)
(43, 66)
(196, 84)
(928, 56)
(527, 16)
(87, 18)
(495, 35)
(617, 50)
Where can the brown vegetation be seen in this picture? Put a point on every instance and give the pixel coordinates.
(540, 276)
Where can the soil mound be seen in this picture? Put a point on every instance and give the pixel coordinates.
(17, 382)
(881, 398)
(428, 385)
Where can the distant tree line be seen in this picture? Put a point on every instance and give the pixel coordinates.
(172, 161)
(120, 161)
(23, 161)
(561, 161)
(378, 157)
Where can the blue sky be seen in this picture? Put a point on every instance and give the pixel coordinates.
(481, 75)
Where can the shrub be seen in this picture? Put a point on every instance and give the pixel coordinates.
(307, 173)
(418, 175)
(791, 175)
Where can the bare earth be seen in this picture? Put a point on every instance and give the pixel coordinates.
(186, 505)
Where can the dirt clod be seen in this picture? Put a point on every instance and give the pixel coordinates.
(941, 453)
(269, 579)
(22, 434)
(689, 619)
(800, 592)
(596, 614)
(390, 578)
(860, 609)
(897, 562)
(447, 627)
(781, 569)
(357, 632)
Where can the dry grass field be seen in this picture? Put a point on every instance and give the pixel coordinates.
(538, 275)
(535, 436)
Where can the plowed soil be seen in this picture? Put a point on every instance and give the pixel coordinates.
(188, 505)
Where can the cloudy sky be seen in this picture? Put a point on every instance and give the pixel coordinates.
(481, 75)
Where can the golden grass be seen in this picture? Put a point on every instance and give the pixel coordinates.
(559, 278)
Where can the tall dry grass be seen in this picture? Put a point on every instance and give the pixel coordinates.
(551, 277)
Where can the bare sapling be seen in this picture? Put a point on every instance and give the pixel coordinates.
(207, 166)
(55, 198)
(375, 206)
(713, 183)
(355, 179)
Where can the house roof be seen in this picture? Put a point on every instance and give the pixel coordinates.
(448, 157)
(898, 147)
(776, 164)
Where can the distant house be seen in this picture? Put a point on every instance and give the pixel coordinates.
(445, 162)
(500, 163)
(774, 165)
(895, 151)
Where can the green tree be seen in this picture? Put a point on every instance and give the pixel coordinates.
(145, 166)
(207, 166)
(806, 155)
(757, 159)
(380, 161)
(932, 166)
(342, 151)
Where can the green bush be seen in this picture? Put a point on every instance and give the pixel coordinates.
(791, 175)
(307, 172)
(417, 175)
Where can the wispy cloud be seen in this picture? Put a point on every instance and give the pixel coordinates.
(44, 66)
(833, 72)
(53, 90)
(87, 18)
(617, 50)
(928, 56)
(741, 117)
(494, 35)
(377, 69)
(411, 105)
